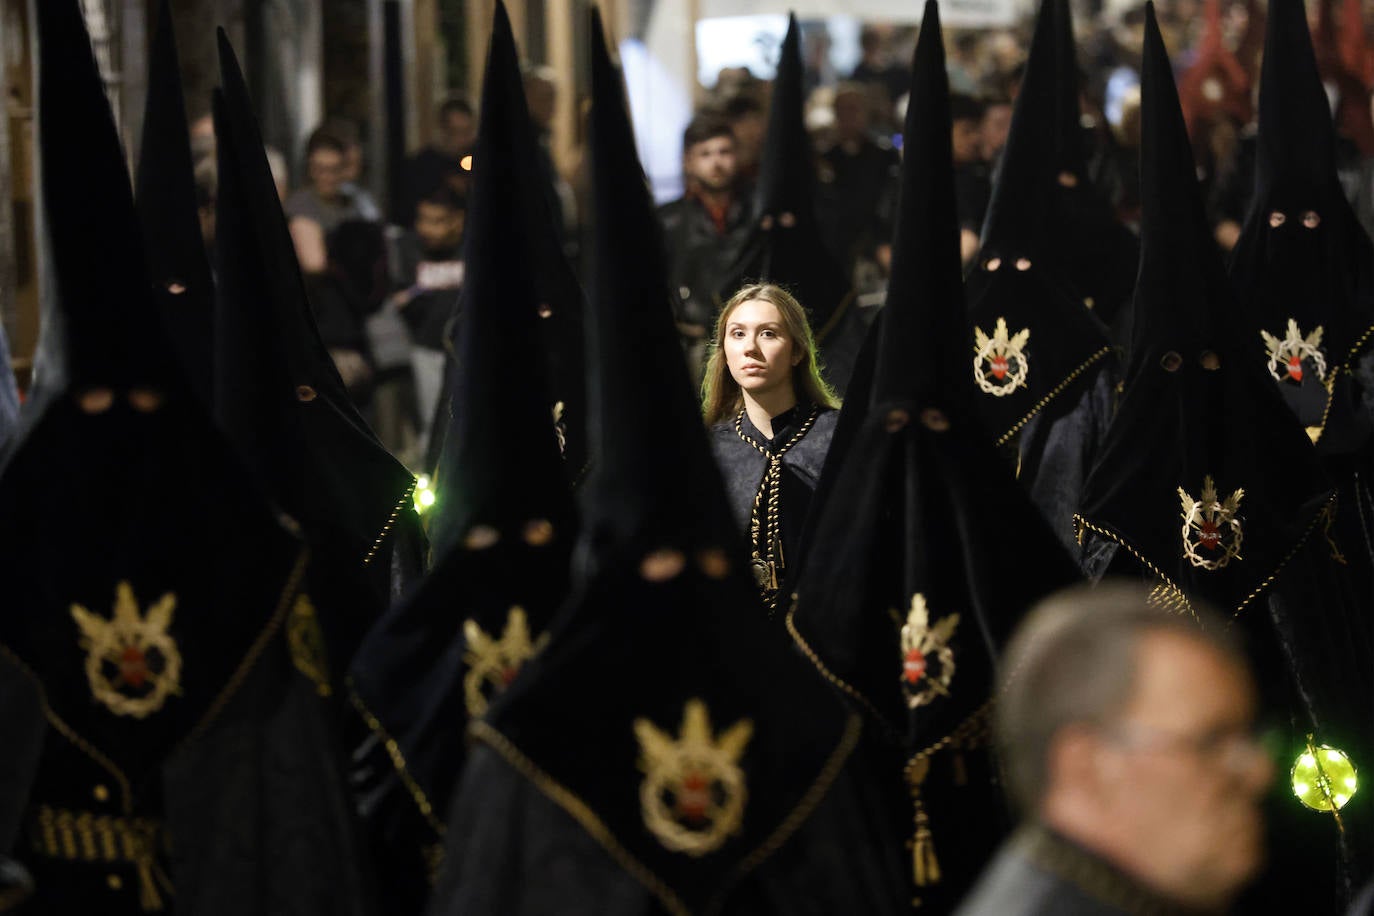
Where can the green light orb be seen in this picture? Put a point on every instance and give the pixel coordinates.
(1324, 779)
(424, 494)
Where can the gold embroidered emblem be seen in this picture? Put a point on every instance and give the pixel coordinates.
(306, 640)
(1211, 531)
(132, 663)
(1000, 365)
(693, 792)
(494, 663)
(1286, 356)
(927, 658)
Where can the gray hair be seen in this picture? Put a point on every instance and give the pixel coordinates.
(1073, 660)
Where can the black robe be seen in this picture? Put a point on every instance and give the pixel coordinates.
(743, 467)
(503, 829)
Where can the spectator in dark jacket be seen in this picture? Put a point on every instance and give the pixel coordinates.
(704, 230)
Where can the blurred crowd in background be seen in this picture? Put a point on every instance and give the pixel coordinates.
(383, 283)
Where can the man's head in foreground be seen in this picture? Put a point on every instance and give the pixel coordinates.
(1129, 731)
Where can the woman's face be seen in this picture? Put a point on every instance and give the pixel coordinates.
(758, 349)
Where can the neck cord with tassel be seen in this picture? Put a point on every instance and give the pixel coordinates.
(765, 534)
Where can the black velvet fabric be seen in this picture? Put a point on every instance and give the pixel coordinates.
(500, 461)
(258, 808)
(267, 348)
(279, 397)
(1094, 252)
(742, 466)
(500, 472)
(1057, 448)
(21, 732)
(499, 818)
(1033, 222)
(1301, 609)
(165, 191)
(411, 675)
(663, 615)
(1175, 428)
(921, 508)
(1320, 276)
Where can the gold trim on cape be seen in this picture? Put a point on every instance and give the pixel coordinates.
(581, 812)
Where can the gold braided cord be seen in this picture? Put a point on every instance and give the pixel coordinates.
(1178, 599)
(250, 658)
(1356, 348)
(406, 497)
(1312, 523)
(963, 735)
(1058, 389)
(398, 760)
(853, 728)
(599, 831)
(829, 675)
(765, 531)
(125, 789)
(581, 812)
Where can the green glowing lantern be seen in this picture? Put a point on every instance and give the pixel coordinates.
(424, 494)
(1324, 779)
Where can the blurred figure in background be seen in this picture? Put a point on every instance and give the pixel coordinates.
(703, 230)
(1127, 735)
(745, 113)
(972, 176)
(341, 256)
(854, 173)
(409, 334)
(442, 162)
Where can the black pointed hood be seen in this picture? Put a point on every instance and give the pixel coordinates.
(1070, 150)
(166, 196)
(785, 245)
(277, 392)
(626, 672)
(1033, 337)
(916, 528)
(142, 589)
(1304, 266)
(635, 372)
(1018, 209)
(1097, 254)
(501, 334)
(505, 522)
(1199, 421)
(102, 330)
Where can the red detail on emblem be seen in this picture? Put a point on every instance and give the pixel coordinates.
(1295, 368)
(1210, 536)
(999, 367)
(133, 666)
(508, 675)
(914, 668)
(694, 797)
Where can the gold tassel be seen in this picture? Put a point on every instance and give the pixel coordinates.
(924, 866)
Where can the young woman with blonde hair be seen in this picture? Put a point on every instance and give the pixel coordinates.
(771, 416)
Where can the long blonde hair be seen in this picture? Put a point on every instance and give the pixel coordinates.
(721, 397)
